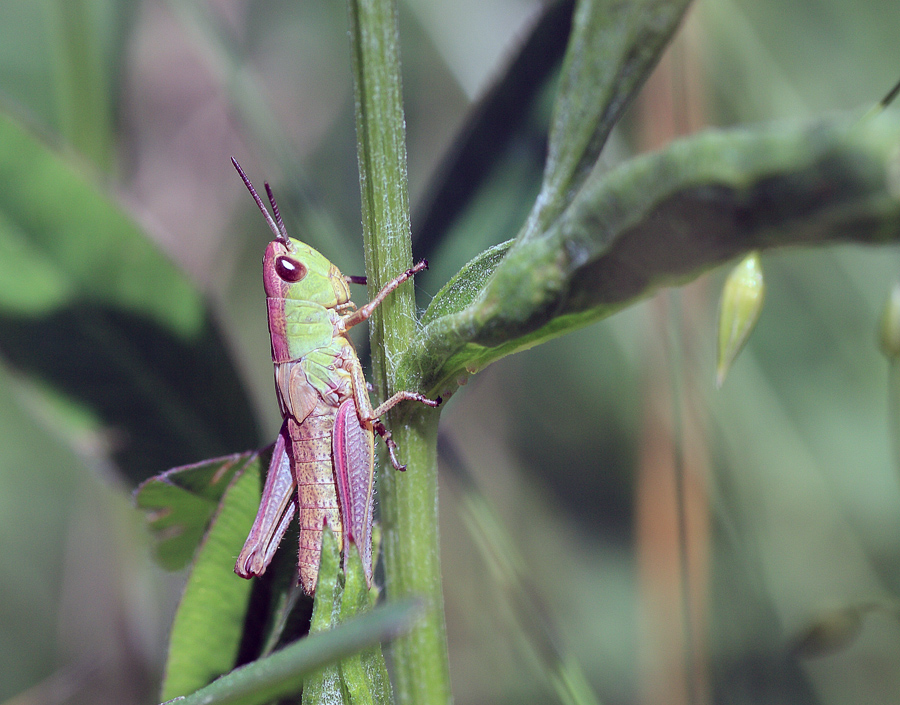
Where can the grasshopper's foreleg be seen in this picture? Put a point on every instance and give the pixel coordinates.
(362, 314)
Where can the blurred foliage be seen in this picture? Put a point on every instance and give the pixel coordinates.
(800, 511)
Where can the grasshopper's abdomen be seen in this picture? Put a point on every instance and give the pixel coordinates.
(313, 470)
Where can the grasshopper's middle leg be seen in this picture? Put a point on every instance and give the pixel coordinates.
(372, 416)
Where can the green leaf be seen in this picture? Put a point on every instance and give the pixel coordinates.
(282, 673)
(663, 219)
(503, 116)
(364, 674)
(464, 287)
(612, 49)
(181, 502)
(324, 684)
(89, 306)
(360, 677)
(209, 624)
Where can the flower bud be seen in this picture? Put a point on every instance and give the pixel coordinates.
(889, 329)
(830, 631)
(739, 309)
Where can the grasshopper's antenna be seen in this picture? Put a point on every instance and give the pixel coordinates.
(889, 98)
(880, 106)
(280, 233)
(278, 219)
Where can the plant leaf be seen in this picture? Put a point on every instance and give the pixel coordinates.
(363, 674)
(209, 624)
(464, 287)
(612, 49)
(92, 308)
(324, 684)
(663, 219)
(181, 502)
(281, 674)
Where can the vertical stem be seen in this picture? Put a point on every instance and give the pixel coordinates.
(408, 501)
(894, 409)
(676, 371)
(81, 83)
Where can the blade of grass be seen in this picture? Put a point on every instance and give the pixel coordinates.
(282, 673)
(523, 603)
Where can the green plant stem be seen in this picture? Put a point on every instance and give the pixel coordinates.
(662, 219)
(412, 564)
(894, 409)
(82, 93)
(408, 501)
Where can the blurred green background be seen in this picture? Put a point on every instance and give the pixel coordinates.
(793, 502)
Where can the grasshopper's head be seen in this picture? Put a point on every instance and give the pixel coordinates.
(292, 269)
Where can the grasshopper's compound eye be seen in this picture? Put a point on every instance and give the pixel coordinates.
(289, 269)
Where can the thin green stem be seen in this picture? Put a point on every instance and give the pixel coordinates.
(80, 79)
(408, 501)
(894, 410)
(676, 372)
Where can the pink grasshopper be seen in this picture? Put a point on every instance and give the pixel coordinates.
(325, 448)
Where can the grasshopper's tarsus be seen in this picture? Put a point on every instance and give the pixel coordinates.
(391, 444)
(420, 266)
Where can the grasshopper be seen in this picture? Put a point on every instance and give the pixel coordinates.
(325, 448)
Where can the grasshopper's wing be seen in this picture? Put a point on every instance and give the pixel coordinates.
(276, 509)
(354, 453)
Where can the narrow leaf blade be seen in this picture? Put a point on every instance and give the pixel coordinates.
(209, 624)
(282, 673)
(612, 49)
